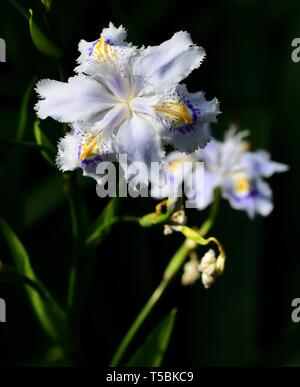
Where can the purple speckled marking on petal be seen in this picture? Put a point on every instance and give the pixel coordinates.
(91, 162)
(91, 49)
(79, 151)
(196, 113)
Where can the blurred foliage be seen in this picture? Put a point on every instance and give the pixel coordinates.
(151, 352)
(245, 318)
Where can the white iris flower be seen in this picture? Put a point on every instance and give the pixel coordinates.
(126, 100)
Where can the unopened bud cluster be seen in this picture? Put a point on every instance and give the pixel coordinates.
(208, 268)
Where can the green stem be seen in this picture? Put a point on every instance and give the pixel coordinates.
(207, 225)
(72, 193)
(92, 239)
(171, 271)
(70, 189)
(128, 219)
(75, 290)
(138, 322)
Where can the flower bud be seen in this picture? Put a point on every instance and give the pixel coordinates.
(190, 273)
(208, 262)
(168, 230)
(207, 280)
(178, 217)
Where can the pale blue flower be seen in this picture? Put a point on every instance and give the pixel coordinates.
(229, 166)
(239, 173)
(131, 98)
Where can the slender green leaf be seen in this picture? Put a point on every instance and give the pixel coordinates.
(41, 139)
(48, 311)
(55, 356)
(47, 4)
(151, 352)
(103, 224)
(20, 132)
(8, 274)
(41, 41)
(22, 10)
(23, 118)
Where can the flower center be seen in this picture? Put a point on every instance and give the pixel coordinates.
(242, 185)
(128, 105)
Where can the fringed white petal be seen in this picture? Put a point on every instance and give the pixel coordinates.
(161, 67)
(77, 100)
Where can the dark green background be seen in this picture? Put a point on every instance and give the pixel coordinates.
(245, 318)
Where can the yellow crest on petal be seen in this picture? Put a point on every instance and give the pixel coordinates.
(242, 185)
(103, 51)
(175, 165)
(175, 111)
(89, 148)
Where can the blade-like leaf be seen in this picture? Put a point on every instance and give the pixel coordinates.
(48, 311)
(103, 224)
(8, 274)
(23, 118)
(47, 4)
(9, 161)
(19, 8)
(151, 352)
(41, 41)
(41, 139)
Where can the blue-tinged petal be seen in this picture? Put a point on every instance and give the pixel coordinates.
(225, 157)
(71, 148)
(202, 195)
(144, 105)
(114, 35)
(161, 67)
(110, 47)
(176, 168)
(184, 118)
(111, 36)
(257, 199)
(79, 99)
(85, 48)
(190, 137)
(259, 163)
(116, 81)
(94, 139)
(111, 120)
(138, 141)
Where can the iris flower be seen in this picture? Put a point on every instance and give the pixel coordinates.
(128, 100)
(230, 166)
